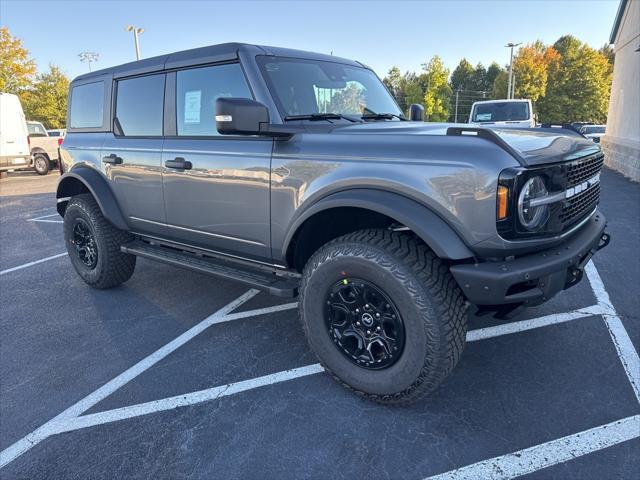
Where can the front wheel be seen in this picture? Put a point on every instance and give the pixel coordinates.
(41, 164)
(94, 244)
(383, 314)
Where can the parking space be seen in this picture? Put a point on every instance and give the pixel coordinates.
(177, 374)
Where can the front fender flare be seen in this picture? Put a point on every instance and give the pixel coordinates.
(421, 220)
(96, 184)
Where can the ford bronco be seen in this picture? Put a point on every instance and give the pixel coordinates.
(296, 173)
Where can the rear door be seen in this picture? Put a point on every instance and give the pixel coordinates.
(132, 153)
(220, 201)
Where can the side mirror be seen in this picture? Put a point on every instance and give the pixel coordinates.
(416, 112)
(241, 116)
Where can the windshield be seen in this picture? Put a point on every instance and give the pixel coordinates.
(501, 112)
(305, 87)
(594, 129)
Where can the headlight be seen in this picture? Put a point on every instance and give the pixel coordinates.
(531, 213)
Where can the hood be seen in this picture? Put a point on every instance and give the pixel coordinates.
(530, 146)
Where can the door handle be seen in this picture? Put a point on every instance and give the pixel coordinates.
(179, 163)
(113, 159)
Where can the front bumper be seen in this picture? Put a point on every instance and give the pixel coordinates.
(535, 278)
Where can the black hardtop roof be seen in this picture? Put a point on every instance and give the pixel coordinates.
(204, 55)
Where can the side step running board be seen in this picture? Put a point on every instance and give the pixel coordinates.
(263, 280)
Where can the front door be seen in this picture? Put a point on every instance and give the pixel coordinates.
(216, 189)
(132, 157)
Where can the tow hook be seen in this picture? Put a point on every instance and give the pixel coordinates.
(604, 241)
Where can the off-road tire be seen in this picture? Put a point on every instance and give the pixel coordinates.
(113, 266)
(41, 164)
(428, 298)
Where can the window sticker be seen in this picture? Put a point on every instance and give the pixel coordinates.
(483, 117)
(192, 101)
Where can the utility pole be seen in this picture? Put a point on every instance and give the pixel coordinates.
(88, 57)
(455, 119)
(511, 46)
(136, 32)
(513, 87)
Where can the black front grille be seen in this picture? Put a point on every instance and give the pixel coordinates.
(582, 170)
(579, 205)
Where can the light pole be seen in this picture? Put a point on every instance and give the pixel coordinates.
(511, 45)
(136, 32)
(88, 57)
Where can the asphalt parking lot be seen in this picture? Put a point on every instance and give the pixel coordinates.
(177, 375)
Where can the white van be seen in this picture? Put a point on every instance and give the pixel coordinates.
(503, 113)
(14, 136)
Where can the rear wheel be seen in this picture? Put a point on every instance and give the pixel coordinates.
(383, 314)
(94, 245)
(41, 164)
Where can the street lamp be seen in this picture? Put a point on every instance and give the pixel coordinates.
(136, 32)
(88, 57)
(511, 46)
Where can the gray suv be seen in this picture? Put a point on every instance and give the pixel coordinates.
(297, 173)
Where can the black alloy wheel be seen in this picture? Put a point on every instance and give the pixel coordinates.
(85, 243)
(364, 324)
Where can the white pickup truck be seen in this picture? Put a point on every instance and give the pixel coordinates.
(503, 113)
(44, 148)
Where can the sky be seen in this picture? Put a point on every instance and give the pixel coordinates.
(380, 34)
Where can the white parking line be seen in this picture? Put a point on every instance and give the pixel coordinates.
(40, 219)
(523, 325)
(48, 429)
(192, 398)
(506, 466)
(70, 419)
(626, 351)
(30, 264)
(547, 454)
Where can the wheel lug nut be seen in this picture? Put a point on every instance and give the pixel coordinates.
(366, 306)
(378, 328)
(368, 332)
(357, 310)
(358, 323)
(377, 314)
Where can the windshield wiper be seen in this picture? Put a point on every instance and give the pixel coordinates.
(318, 116)
(382, 116)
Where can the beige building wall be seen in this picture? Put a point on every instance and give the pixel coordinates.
(621, 142)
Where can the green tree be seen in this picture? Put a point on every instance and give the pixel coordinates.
(395, 83)
(579, 84)
(530, 71)
(462, 76)
(479, 81)
(492, 73)
(500, 85)
(16, 68)
(437, 96)
(608, 52)
(413, 90)
(46, 101)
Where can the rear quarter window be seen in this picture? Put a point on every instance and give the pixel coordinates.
(87, 104)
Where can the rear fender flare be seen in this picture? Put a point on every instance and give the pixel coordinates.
(96, 184)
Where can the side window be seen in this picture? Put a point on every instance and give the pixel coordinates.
(139, 105)
(87, 104)
(196, 93)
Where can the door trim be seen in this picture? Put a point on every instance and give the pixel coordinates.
(217, 235)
